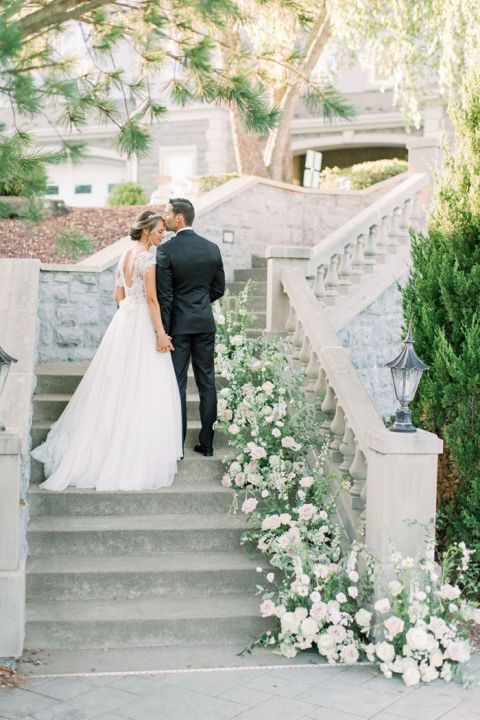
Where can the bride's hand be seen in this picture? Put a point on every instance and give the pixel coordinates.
(163, 343)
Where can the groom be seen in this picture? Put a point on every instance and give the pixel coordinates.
(190, 277)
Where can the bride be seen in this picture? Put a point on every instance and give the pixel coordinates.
(122, 429)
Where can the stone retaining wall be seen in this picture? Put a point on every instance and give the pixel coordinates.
(373, 338)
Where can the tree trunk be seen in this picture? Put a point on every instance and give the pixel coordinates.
(277, 152)
(247, 145)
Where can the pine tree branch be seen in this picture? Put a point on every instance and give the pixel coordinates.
(56, 13)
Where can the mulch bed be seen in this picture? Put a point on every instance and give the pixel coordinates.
(22, 239)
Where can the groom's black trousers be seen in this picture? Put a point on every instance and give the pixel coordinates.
(200, 347)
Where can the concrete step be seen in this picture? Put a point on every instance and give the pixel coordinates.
(143, 622)
(258, 261)
(50, 406)
(130, 577)
(257, 274)
(259, 289)
(140, 535)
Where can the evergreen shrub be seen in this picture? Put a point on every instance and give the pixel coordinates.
(128, 193)
(441, 299)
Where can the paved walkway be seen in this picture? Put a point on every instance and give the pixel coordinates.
(280, 693)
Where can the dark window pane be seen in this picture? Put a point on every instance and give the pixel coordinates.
(83, 189)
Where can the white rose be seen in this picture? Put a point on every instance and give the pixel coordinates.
(271, 522)
(280, 611)
(394, 625)
(227, 481)
(385, 652)
(325, 643)
(276, 432)
(307, 511)
(353, 575)
(458, 651)
(349, 654)
(221, 319)
(270, 577)
(341, 597)
(268, 386)
(237, 340)
(290, 623)
(309, 627)
(429, 673)
(301, 613)
(267, 608)
(249, 505)
(234, 429)
(436, 658)
(449, 592)
(382, 606)
(394, 587)
(411, 676)
(224, 392)
(306, 482)
(417, 639)
(315, 596)
(285, 518)
(338, 632)
(363, 617)
(274, 461)
(265, 493)
(438, 626)
(353, 591)
(235, 468)
(318, 610)
(287, 651)
(446, 672)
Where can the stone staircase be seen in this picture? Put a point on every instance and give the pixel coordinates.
(160, 569)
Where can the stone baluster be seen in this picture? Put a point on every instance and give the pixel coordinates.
(417, 214)
(405, 221)
(331, 281)
(358, 473)
(320, 387)
(291, 323)
(363, 501)
(337, 427)
(297, 340)
(394, 232)
(347, 448)
(358, 263)
(346, 270)
(319, 287)
(328, 408)
(382, 239)
(312, 372)
(371, 249)
(305, 351)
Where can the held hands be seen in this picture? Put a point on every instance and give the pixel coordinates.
(163, 343)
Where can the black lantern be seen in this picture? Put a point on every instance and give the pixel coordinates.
(407, 371)
(5, 363)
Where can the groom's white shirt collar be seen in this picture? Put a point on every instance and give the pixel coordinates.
(187, 227)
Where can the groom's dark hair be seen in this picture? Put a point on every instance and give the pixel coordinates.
(182, 206)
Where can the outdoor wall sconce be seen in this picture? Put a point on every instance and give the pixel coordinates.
(407, 370)
(5, 364)
(228, 237)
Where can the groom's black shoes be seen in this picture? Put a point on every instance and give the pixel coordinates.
(203, 450)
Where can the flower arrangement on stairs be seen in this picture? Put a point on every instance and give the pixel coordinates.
(316, 597)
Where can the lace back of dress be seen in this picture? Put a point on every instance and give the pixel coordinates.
(134, 286)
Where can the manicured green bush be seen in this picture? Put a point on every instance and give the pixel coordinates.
(128, 193)
(442, 301)
(361, 175)
(71, 242)
(209, 182)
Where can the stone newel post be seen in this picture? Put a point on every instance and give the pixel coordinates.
(279, 257)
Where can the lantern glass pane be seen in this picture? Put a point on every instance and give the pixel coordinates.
(4, 368)
(406, 383)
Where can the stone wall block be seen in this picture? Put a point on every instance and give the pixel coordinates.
(66, 337)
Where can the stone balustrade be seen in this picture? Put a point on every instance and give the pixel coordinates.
(383, 479)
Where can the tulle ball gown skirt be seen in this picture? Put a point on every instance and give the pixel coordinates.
(122, 429)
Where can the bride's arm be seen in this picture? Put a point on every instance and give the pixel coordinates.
(119, 290)
(149, 281)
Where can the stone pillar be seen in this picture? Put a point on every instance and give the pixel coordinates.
(401, 487)
(279, 257)
(424, 154)
(12, 565)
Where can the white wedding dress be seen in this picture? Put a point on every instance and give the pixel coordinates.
(122, 429)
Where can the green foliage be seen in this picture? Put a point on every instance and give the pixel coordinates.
(441, 300)
(362, 175)
(209, 182)
(128, 193)
(72, 243)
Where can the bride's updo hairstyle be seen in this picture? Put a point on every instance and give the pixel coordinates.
(147, 220)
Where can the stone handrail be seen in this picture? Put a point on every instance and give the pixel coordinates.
(348, 253)
(391, 476)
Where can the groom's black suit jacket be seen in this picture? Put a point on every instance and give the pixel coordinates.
(190, 277)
